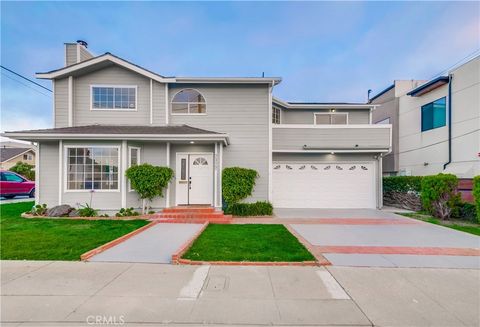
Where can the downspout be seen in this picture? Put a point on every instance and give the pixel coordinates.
(449, 121)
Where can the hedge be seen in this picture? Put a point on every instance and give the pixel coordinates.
(476, 195)
(403, 184)
(260, 208)
(439, 194)
(237, 184)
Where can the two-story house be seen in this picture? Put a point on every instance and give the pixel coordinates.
(110, 114)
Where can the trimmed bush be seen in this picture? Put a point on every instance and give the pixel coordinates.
(260, 208)
(149, 181)
(237, 184)
(438, 192)
(24, 169)
(476, 195)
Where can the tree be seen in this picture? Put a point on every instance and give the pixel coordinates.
(149, 181)
(24, 169)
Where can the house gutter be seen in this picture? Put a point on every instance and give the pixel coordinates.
(449, 121)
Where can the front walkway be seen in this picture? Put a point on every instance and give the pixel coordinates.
(154, 245)
(76, 293)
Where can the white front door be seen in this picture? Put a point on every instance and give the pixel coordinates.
(194, 179)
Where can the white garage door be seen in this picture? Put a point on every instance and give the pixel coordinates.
(324, 185)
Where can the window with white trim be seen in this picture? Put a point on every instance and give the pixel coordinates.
(189, 102)
(276, 113)
(133, 160)
(334, 118)
(114, 97)
(92, 168)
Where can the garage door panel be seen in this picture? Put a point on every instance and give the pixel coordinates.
(346, 185)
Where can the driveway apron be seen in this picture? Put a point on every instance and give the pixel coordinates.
(154, 245)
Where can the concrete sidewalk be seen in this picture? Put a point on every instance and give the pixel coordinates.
(74, 293)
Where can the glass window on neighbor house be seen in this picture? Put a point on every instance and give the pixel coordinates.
(92, 168)
(434, 114)
(122, 98)
(276, 115)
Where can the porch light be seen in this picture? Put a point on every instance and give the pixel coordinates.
(332, 152)
(192, 142)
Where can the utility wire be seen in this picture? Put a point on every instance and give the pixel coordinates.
(25, 78)
(13, 79)
(464, 59)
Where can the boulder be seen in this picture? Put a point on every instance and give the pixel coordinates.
(59, 211)
(74, 213)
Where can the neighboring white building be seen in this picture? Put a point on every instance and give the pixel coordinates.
(425, 146)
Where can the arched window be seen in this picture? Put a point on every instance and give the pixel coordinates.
(200, 161)
(188, 101)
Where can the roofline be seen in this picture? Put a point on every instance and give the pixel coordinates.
(124, 63)
(422, 87)
(290, 105)
(29, 149)
(141, 137)
(382, 92)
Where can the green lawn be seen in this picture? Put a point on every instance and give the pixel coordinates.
(466, 227)
(54, 239)
(249, 242)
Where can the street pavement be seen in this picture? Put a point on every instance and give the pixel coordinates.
(40, 293)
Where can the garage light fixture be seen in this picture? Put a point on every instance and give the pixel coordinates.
(332, 152)
(192, 142)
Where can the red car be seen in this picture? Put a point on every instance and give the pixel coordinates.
(12, 184)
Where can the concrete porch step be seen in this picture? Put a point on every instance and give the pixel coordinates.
(189, 209)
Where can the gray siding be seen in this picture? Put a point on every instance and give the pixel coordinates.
(61, 102)
(113, 75)
(330, 138)
(70, 54)
(47, 186)
(158, 103)
(242, 111)
(305, 116)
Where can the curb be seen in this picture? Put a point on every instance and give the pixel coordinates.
(177, 255)
(87, 255)
(248, 263)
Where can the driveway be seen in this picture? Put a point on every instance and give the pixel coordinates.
(43, 293)
(154, 245)
(376, 238)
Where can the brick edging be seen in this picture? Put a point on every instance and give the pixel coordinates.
(248, 263)
(322, 261)
(27, 215)
(87, 255)
(177, 255)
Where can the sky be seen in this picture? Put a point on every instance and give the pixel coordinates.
(324, 51)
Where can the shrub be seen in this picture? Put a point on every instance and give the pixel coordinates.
(24, 169)
(149, 181)
(87, 211)
(468, 212)
(438, 192)
(126, 212)
(39, 210)
(402, 184)
(260, 208)
(237, 184)
(476, 195)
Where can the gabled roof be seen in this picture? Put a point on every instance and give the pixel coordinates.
(120, 132)
(10, 153)
(429, 86)
(110, 58)
(322, 105)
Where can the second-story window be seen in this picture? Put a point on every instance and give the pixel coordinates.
(188, 102)
(114, 97)
(334, 118)
(276, 115)
(434, 114)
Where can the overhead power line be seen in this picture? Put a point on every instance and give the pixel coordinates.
(26, 85)
(25, 78)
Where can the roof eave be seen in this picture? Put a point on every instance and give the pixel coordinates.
(230, 80)
(429, 86)
(323, 106)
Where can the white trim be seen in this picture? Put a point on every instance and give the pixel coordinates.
(220, 163)
(332, 126)
(60, 168)
(167, 191)
(330, 114)
(37, 175)
(151, 101)
(188, 104)
(331, 150)
(53, 105)
(129, 164)
(270, 143)
(114, 86)
(123, 168)
(323, 105)
(78, 53)
(70, 101)
(370, 116)
(215, 172)
(230, 80)
(100, 59)
(167, 109)
(83, 145)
